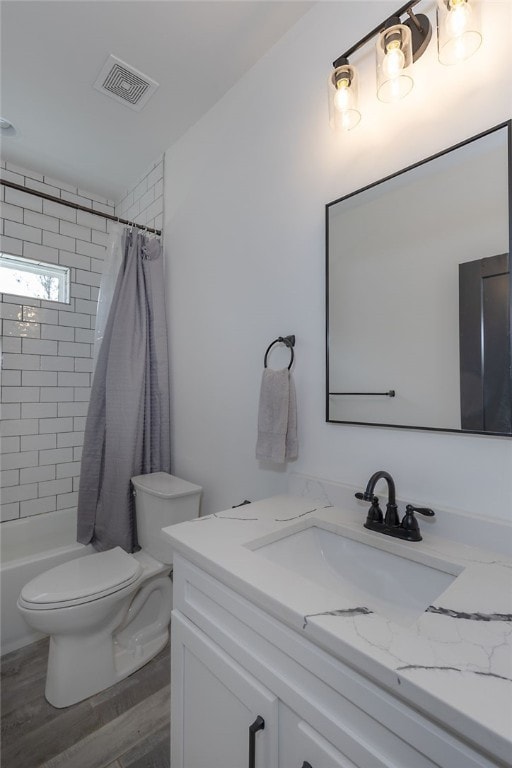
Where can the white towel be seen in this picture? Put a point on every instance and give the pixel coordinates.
(277, 417)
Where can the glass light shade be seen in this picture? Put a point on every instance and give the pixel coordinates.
(394, 58)
(343, 98)
(458, 30)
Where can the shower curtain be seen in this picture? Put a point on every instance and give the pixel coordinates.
(111, 267)
(127, 430)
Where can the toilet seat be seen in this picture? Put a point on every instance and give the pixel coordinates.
(81, 580)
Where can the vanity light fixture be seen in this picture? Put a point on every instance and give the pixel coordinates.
(399, 44)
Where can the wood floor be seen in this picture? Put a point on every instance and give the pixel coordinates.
(126, 726)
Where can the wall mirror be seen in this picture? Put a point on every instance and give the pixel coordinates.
(419, 294)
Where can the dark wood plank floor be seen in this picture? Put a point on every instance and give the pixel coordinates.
(126, 726)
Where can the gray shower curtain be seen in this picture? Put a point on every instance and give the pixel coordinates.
(127, 430)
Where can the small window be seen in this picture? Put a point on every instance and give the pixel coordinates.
(25, 277)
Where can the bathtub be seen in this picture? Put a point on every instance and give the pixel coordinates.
(29, 547)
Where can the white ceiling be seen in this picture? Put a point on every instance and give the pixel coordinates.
(52, 53)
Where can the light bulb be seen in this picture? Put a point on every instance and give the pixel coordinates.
(458, 18)
(342, 96)
(394, 60)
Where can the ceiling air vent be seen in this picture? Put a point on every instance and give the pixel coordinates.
(125, 84)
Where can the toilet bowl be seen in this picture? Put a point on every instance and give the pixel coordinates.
(108, 613)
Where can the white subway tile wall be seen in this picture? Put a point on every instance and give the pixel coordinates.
(144, 201)
(47, 347)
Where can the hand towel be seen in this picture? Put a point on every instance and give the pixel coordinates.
(292, 445)
(277, 417)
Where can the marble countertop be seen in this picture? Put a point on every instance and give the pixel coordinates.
(453, 662)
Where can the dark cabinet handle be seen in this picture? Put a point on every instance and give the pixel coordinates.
(258, 725)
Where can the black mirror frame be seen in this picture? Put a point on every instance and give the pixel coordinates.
(506, 124)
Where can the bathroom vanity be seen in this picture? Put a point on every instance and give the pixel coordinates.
(299, 639)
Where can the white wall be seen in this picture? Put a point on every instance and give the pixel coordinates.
(244, 220)
(143, 202)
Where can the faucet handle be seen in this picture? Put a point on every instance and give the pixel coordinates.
(409, 524)
(422, 510)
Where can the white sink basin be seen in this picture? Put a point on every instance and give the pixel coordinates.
(386, 583)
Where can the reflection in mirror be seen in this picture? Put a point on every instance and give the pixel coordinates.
(419, 294)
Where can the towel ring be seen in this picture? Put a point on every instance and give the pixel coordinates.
(290, 343)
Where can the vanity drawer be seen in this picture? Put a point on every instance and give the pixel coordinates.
(355, 715)
(300, 746)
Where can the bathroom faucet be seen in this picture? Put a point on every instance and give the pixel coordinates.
(390, 523)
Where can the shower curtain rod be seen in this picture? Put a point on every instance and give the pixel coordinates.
(78, 207)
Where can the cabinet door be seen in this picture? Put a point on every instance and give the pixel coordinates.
(213, 703)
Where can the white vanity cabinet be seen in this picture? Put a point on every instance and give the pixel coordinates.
(233, 662)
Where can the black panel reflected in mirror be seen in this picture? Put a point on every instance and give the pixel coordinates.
(484, 328)
(419, 294)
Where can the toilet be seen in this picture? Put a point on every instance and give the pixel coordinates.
(108, 613)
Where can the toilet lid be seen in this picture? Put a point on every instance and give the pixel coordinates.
(164, 486)
(83, 578)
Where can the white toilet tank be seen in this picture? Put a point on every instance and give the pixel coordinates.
(161, 500)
